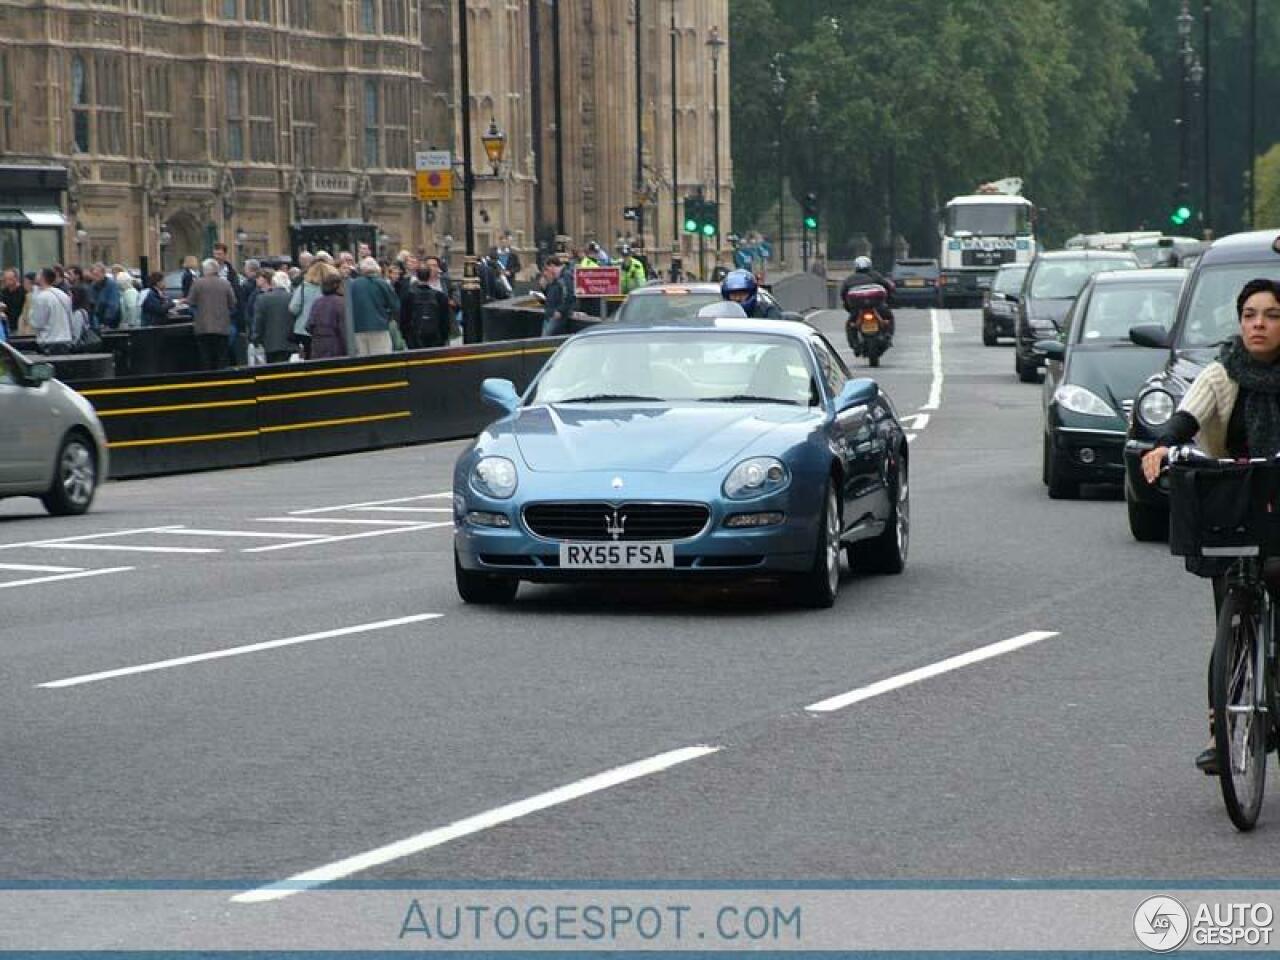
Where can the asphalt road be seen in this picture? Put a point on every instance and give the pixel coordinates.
(1068, 756)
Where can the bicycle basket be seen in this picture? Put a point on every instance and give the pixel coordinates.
(1223, 510)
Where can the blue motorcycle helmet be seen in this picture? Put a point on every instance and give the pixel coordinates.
(740, 287)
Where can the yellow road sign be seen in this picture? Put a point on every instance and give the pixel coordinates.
(435, 185)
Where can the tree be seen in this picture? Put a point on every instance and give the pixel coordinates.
(1267, 172)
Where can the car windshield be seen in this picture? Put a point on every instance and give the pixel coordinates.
(1009, 281)
(1114, 308)
(1211, 313)
(660, 307)
(987, 219)
(1064, 279)
(695, 366)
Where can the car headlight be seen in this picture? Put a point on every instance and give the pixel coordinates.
(756, 478)
(494, 477)
(1156, 408)
(1079, 400)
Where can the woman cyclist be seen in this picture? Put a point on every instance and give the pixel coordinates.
(1233, 407)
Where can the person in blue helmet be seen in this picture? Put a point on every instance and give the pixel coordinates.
(740, 286)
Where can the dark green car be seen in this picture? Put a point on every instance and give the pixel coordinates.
(1096, 370)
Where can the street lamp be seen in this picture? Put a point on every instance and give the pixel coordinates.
(715, 43)
(779, 96)
(495, 145)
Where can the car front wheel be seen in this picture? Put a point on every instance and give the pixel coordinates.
(75, 478)
(887, 552)
(819, 586)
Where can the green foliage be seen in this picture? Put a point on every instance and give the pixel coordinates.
(1267, 172)
(888, 109)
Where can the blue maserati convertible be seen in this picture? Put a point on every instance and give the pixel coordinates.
(720, 447)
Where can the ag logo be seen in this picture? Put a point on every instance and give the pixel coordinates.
(1161, 924)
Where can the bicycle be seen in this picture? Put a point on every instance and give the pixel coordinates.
(1223, 520)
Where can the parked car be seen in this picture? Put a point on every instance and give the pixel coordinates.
(1000, 303)
(915, 284)
(1053, 282)
(1094, 373)
(734, 448)
(663, 302)
(52, 445)
(1206, 317)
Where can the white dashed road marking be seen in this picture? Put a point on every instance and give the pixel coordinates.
(369, 503)
(78, 575)
(386, 531)
(236, 651)
(473, 824)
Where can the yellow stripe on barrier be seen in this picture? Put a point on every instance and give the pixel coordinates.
(332, 371)
(431, 361)
(200, 438)
(211, 405)
(335, 391)
(161, 387)
(285, 427)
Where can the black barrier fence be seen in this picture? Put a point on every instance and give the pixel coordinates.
(235, 418)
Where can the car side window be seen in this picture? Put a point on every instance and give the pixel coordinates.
(833, 371)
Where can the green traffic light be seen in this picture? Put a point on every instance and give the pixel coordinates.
(811, 223)
(709, 229)
(1180, 215)
(691, 226)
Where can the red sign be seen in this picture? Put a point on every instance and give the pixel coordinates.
(597, 281)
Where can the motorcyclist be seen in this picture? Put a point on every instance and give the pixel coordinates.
(863, 274)
(740, 286)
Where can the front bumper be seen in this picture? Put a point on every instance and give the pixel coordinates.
(717, 550)
(1089, 456)
(1005, 325)
(1137, 489)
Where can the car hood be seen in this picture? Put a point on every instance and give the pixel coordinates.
(686, 438)
(1113, 371)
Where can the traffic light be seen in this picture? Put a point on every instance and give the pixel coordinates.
(1182, 211)
(811, 211)
(692, 214)
(710, 222)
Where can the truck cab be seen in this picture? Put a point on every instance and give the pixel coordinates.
(979, 234)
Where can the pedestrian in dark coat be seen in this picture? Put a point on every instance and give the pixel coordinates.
(272, 321)
(328, 322)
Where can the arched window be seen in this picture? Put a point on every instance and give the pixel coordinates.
(235, 117)
(371, 123)
(80, 119)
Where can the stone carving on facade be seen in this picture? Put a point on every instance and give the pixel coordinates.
(301, 197)
(364, 196)
(227, 193)
(77, 174)
(153, 185)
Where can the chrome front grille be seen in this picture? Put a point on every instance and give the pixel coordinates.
(1127, 406)
(587, 521)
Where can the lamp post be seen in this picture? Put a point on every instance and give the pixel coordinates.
(779, 96)
(495, 145)
(471, 295)
(1251, 99)
(639, 191)
(1207, 141)
(675, 151)
(716, 43)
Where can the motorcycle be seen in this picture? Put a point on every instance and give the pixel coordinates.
(867, 327)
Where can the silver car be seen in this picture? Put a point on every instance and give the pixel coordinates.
(52, 445)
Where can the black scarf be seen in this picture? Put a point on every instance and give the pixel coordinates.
(1260, 393)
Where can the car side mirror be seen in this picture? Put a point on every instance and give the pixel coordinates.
(500, 393)
(1150, 335)
(793, 316)
(856, 393)
(39, 373)
(1052, 349)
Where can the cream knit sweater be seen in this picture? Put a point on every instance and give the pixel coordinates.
(1210, 400)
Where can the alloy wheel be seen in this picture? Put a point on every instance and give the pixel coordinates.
(77, 473)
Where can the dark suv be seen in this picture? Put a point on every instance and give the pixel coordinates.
(1206, 317)
(1052, 285)
(916, 283)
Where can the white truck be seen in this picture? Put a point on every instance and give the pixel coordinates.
(980, 232)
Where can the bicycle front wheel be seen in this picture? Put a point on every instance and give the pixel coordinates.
(1240, 716)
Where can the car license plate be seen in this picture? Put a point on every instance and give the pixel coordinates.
(617, 556)
(914, 281)
(870, 326)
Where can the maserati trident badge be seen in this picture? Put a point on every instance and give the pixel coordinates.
(615, 524)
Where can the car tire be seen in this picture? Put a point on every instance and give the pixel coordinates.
(1060, 488)
(75, 477)
(818, 587)
(1027, 374)
(1148, 523)
(887, 552)
(988, 335)
(483, 588)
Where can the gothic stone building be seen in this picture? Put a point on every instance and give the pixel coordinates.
(182, 121)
